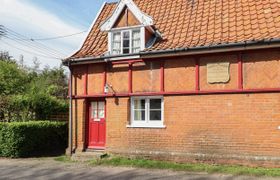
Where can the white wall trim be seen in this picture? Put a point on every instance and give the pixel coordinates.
(143, 18)
(150, 127)
(123, 58)
(110, 42)
(142, 34)
(88, 31)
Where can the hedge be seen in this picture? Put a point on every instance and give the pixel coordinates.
(32, 138)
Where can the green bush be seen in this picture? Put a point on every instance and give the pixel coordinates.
(32, 138)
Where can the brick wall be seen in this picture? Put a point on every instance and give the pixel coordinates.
(224, 128)
(79, 124)
(240, 125)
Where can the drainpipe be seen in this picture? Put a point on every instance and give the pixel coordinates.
(70, 111)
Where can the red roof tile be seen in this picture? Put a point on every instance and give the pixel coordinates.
(191, 23)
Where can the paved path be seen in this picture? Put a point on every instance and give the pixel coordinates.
(47, 168)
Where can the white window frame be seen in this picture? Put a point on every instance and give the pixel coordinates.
(129, 29)
(147, 123)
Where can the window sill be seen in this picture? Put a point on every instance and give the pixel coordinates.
(150, 127)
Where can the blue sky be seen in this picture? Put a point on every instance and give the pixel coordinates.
(43, 19)
(78, 12)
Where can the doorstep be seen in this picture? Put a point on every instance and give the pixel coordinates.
(88, 154)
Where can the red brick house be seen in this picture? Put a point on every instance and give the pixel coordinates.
(184, 80)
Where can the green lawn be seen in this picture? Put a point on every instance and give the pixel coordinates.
(190, 167)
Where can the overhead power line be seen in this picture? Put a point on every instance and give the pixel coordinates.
(33, 47)
(2, 32)
(57, 37)
(38, 44)
(29, 52)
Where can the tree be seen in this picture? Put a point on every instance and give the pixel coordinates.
(12, 79)
(30, 93)
(4, 56)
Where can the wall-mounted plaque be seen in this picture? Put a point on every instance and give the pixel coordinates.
(218, 72)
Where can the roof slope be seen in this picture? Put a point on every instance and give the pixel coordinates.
(191, 23)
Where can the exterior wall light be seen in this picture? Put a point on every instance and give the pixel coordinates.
(108, 87)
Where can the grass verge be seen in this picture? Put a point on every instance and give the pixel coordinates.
(66, 159)
(191, 167)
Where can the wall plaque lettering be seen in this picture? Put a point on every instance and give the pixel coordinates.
(218, 72)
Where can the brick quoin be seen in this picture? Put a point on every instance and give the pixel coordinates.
(232, 127)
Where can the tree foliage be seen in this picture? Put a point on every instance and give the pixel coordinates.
(30, 93)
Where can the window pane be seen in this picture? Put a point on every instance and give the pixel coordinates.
(116, 51)
(126, 43)
(116, 44)
(139, 104)
(94, 114)
(125, 51)
(135, 34)
(136, 41)
(117, 36)
(155, 115)
(94, 105)
(101, 105)
(155, 104)
(139, 115)
(101, 113)
(126, 35)
(135, 50)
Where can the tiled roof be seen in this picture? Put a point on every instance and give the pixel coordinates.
(191, 23)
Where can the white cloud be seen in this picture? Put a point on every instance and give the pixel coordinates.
(35, 22)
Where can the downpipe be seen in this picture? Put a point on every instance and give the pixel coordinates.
(70, 111)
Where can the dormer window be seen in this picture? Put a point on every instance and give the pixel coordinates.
(126, 41)
(129, 29)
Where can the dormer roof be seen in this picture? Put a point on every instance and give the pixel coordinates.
(143, 19)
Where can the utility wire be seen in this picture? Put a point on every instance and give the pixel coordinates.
(56, 37)
(23, 38)
(29, 52)
(33, 47)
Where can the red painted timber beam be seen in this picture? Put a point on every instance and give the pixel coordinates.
(240, 71)
(204, 92)
(197, 85)
(104, 76)
(162, 76)
(130, 77)
(86, 82)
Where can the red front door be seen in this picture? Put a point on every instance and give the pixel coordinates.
(97, 125)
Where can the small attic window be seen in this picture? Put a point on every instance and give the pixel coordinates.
(126, 41)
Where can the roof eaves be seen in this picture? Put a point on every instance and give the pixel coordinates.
(245, 45)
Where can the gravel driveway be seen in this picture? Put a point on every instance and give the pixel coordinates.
(47, 168)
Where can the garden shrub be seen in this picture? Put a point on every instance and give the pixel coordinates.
(32, 138)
